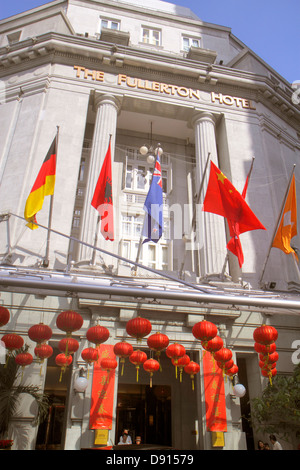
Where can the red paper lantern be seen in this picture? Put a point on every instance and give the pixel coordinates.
(108, 364)
(4, 316)
(265, 334)
(192, 369)
(89, 355)
(137, 358)
(138, 327)
(63, 362)
(270, 358)
(226, 365)
(181, 363)
(123, 350)
(151, 366)
(265, 348)
(213, 345)
(158, 342)
(223, 355)
(266, 365)
(175, 351)
(43, 351)
(69, 321)
(232, 371)
(269, 373)
(68, 345)
(97, 334)
(204, 331)
(40, 333)
(12, 341)
(23, 359)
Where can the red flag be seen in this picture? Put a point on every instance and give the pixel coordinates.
(223, 199)
(103, 200)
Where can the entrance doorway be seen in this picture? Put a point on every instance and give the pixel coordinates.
(146, 412)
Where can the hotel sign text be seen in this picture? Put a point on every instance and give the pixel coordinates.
(163, 88)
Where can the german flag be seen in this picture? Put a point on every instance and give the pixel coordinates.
(43, 186)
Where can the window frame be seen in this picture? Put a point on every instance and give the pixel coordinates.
(151, 31)
(190, 40)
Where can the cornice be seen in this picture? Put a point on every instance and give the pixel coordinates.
(29, 52)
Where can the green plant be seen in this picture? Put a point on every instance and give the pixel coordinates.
(11, 390)
(278, 409)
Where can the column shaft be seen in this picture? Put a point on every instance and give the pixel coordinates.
(105, 125)
(211, 228)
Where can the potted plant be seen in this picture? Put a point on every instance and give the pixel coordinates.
(11, 390)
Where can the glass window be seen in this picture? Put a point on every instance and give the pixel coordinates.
(151, 36)
(188, 42)
(141, 177)
(110, 24)
(129, 177)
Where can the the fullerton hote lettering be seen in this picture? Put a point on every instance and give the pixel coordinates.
(168, 89)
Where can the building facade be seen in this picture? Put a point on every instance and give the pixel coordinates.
(159, 76)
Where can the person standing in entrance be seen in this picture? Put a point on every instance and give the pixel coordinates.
(125, 438)
(276, 445)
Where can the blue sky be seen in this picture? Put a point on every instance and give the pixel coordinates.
(271, 28)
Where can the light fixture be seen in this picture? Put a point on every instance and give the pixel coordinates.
(149, 151)
(239, 390)
(81, 382)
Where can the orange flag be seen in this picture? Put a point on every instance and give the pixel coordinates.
(288, 224)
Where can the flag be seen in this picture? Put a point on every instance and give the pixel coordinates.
(234, 245)
(153, 206)
(43, 186)
(223, 199)
(288, 224)
(103, 199)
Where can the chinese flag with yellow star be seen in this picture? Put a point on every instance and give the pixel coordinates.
(223, 199)
(288, 224)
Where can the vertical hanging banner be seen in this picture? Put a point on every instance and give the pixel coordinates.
(101, 413)
(214, 395)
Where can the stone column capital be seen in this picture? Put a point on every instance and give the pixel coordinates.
(101, 99)
(202, 116)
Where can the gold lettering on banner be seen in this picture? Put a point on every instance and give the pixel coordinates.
(163, 88)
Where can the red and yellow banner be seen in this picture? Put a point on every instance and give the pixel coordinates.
(214, 395)
(101, 413)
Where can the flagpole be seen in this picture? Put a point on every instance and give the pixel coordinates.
(134, 268)
(193, 224)
(277, 224)
(93, 259)
(200, 192)
(46, 258)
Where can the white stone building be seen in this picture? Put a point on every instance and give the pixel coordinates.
(151, 75)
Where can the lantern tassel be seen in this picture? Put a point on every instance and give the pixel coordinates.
(151, 380)
(123, 362)
(137, 373)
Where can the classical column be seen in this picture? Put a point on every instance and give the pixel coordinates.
(107, 107)
(211, 238)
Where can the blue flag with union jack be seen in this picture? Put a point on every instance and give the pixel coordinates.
(153, 226)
